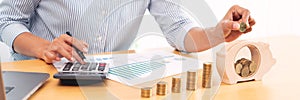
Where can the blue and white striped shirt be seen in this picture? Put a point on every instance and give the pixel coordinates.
(106, 25)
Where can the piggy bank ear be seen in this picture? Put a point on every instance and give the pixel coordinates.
(265, 45)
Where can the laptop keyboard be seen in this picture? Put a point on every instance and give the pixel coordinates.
(8, 89)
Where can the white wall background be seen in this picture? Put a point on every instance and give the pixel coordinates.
(273, 17)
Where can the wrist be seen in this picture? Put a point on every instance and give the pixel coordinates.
(39, 52)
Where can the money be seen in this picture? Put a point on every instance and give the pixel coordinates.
(243, 27)
(238, 68)
(146, 92)
(161, 88)
(206, 75)
(176, 84)
(191, 80)
(245, 71)
(245, 67)
(252, 67)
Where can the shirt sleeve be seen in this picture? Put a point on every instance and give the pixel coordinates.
(173, 21)
(15, 18)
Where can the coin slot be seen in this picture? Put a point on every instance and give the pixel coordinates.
(247, 61)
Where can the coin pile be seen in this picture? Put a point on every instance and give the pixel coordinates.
(243, 27)
(161, 88)
(146, 92)
(245, 67)
(176, 84)
(206, 75)
(191, 80)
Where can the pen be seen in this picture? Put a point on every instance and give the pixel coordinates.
(81, 55)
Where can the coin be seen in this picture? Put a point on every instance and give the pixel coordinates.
(238, 68)
(245, 71)
(146, 92)
(243, 61)
(243, 27)
(206, 75)
(161, 88)
(191, 80)
(176, 84)
(239, 61)
(252, 67)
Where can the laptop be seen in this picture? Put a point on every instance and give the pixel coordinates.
(19, 85)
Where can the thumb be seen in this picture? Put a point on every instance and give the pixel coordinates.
(231, 25)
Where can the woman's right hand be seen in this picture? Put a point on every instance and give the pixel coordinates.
(62, 47)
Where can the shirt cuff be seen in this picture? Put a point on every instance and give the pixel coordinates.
(180, 38)
(11, 31)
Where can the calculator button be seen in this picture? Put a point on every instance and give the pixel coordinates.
(68, 66)
(85, 67)
(101, 66)
(93, 66)
(77, 65)
(75, 68)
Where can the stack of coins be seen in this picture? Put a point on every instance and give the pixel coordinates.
(176, 84)
(206, 75)
(245, 67)
(161, 88)
(243, 27)
(146, 92)
(191, 80)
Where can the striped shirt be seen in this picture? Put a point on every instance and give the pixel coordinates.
(106, 25)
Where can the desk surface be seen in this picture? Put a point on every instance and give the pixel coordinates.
(281, 82)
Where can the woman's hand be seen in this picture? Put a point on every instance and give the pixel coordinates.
(231, 22)
(62, 47)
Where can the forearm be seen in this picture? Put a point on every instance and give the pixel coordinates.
(200, 39)
(30, 45)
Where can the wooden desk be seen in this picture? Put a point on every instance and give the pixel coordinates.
(281, 82)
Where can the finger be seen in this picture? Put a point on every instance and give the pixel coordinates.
(245, 13)
(80, 45)
(66, 54)
(57, 47)
(233, 36)
(75, 42)
(251, 21)
(66, 46)
(236, 16)
(49, 57)
(61, 43)
(231, 25)
(77, 57)
(248, 30)
(245, 17)
(85, 44)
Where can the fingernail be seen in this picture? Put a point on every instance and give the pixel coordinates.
(236, 26)
(72, 59)
(85, 49)
(57, 59)
(248, 25)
